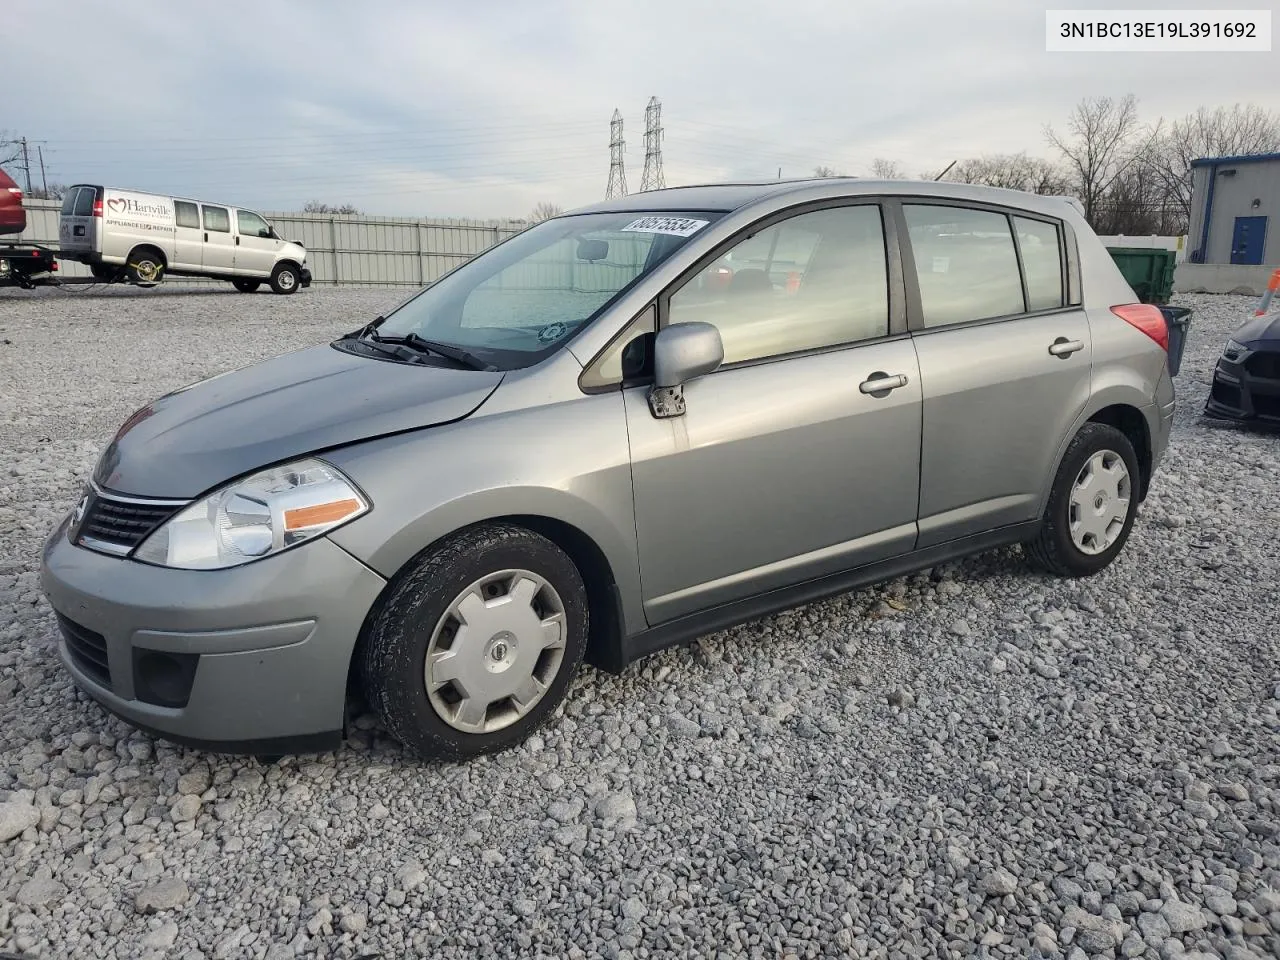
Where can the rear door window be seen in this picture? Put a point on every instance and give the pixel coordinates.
(187, 214)
(1041, 262)
(84, 202)
(69, 202)
(965, 262)
(217, 219)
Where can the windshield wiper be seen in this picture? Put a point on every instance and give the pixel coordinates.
(446, 350)
(368, 331)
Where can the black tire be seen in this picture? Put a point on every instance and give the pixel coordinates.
(286, 278)
(246, 286)
(1052, 549)
(145, 267)
(398, 633)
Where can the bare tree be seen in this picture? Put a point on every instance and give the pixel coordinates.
(822, 171)
(10, 149)
(315, 206)
(544, 210)
(1013, 171)
(55, 191)
(1105, 139)
(1232, 131)
(887, 169)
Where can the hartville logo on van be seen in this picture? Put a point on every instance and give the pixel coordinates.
(135, 208)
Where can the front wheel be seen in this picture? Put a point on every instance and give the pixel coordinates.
(285, 278)
(246, 286)
(1092, 504)
(475, 642)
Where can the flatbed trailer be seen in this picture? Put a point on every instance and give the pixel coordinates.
(31, 265)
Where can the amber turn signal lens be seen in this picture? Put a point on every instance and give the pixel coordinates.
(303, 517)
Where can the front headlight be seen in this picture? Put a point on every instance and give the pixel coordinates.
(255, 517)
(1235, 351)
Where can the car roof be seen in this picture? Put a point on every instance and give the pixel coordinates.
(725, 197)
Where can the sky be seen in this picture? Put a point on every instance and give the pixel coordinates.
(484, 109)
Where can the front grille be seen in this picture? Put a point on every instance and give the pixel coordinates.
(1265, 406)
(1264, 365)
(122, 524)
(1226, 395)
(87, 649)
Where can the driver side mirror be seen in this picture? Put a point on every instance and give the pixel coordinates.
(681, 352)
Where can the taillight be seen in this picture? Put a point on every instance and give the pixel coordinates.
(16, 191)
(97, 207)
(1147, 318)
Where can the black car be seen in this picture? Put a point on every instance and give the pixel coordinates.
(1246, 383)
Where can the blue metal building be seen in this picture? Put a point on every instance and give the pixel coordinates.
(1235, 210)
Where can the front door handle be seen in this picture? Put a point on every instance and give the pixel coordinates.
(237, 241)
(1062, 347)
(206, 238)
(882, 383)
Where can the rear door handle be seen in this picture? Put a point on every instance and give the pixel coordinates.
(1062, 347)
(880, 382)
(237, 241)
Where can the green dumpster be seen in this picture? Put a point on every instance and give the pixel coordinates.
(1148, 270)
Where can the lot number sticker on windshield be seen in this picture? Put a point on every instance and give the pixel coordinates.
(675, 226)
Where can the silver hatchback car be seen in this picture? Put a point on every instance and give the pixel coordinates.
(624, 427)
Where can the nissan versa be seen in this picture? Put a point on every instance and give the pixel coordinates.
(622, 428)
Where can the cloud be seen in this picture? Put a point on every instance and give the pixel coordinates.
(484, 109)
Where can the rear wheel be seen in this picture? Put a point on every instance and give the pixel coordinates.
(476, 642)
(1092, 504)
(246, 286)
(145, 267)
(285, 278)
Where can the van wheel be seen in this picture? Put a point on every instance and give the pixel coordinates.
(475, 642)
(1092, 504)
(145, 267)
(285, 278)
(246, 286)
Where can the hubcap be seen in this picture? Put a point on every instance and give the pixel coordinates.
(286, 280)
(1099, 502)
(496, 651)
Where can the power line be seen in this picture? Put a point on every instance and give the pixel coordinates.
(617, 186)
(652, 178)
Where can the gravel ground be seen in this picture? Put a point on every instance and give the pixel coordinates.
(976, 761)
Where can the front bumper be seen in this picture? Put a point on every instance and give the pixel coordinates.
(268, 644)
(306, 277)
(1239, 393)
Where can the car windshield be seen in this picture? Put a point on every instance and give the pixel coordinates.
(519, 301)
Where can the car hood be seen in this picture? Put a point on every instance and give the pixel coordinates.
(1257, 331)
(205, 434)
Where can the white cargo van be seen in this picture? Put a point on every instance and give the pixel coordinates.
(142, 237)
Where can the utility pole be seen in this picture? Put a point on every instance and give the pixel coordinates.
(652, 179)
(617, 146)
(44, 182)
(26, 162)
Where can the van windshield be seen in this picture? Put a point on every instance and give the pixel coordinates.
(516, 303)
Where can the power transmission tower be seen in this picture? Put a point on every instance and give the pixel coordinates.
(617, 146)
(652, 178)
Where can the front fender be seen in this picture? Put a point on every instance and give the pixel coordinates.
(567, 462)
